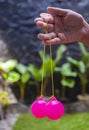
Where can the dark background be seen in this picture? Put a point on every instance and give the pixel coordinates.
(18, 32)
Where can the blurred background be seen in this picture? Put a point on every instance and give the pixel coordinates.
(20, 47)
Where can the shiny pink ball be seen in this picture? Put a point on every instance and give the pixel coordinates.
(38, 108)
(54, 109)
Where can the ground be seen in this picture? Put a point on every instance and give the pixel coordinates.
(67, 122)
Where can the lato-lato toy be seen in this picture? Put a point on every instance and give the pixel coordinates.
(53, 109)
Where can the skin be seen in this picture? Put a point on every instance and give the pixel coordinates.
(63, 26)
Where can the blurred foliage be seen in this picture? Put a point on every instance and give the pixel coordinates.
(12, 71)
(4, 101)
(81, 67)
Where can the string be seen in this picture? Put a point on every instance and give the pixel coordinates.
(52, 70)
(51, 63)
(42, 84)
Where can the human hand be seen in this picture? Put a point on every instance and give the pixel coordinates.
(64, 26)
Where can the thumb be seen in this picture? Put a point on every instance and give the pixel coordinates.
(57, 11)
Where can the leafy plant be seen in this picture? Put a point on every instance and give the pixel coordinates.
(59, 53)
(5, 69)
(8, 65)
(13, 77)
(36, 76)
(82, 67)
(47, 65)
(45, 68)
(67, 77)
(23, 77)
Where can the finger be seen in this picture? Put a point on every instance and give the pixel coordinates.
(45, 26)
(47, 36)
(63, 37)
(48, 18)
(57, 11)
(52, 41)
(38, 19)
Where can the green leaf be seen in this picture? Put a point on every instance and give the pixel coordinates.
(43, 55)
(8, 65)
(13, 77)
(85, 59)
(82, 47)
(66, 70)
(79, 64)
(5, 75)
(21, 68)
(25, 77)
(82, 67)
(57, 69)
(68, 82)
(73, 61)
(36, 73)
(60, 52)
(47, 67)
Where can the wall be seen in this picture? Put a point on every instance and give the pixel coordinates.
(18, 32)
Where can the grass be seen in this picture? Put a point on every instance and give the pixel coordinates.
(68, 122)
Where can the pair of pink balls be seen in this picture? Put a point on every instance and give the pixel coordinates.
(53, 109)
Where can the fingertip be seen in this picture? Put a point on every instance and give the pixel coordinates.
(48, 8)
(40, 24)
(57, 11)
(51, 10)
(36, 20)
(38, 36)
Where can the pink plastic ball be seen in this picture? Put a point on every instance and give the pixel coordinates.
(38, 108)
(54, 109)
